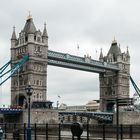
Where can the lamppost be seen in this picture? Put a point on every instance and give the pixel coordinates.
(29, 91)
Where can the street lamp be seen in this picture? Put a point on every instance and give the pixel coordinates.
(29, 91)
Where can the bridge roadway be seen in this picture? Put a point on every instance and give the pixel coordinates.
(79, 63)
(102, 116)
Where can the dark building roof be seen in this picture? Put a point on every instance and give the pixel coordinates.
(29, 27)
(114, 50)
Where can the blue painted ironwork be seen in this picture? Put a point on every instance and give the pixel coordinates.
(10, 111)
(14, 69)
(102, 116)
(135, 86)
(79, 63)
(4, 67)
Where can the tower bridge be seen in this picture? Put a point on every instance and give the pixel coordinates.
(113, 68)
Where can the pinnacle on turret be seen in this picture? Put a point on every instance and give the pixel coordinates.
(101, 55)
(45, 31)
(13, 34)
(119, 49)
(127, 52)
(114, 41)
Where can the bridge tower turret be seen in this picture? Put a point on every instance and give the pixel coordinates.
(30, 41)
(114, 85)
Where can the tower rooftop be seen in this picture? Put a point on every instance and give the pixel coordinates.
(29, 27)
(114, 49)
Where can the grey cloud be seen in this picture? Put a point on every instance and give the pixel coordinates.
(92, 24)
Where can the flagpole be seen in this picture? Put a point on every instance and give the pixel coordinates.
(77, 49)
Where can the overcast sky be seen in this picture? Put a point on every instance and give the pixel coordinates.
(92, 24)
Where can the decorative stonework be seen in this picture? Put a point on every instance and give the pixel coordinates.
(114, 85)
(34, 43)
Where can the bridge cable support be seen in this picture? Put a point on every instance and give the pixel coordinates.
(14, 69)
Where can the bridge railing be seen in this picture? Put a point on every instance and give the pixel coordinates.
(63, 131)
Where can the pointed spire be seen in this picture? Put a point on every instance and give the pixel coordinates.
(29, 16)
(45, 31)
(127, 52)
(114, 41)
(114, 50)
(13, 34)
(101, 55)
(29, 27)
(119, 49)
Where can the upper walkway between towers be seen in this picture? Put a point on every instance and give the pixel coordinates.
(85, 63)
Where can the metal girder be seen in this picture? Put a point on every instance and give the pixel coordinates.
(79, 63)
(96, 115)
(135, 86)
(14, 69)
(74, 66)
(4, 67)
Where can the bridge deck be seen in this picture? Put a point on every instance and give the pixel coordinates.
(79, 63)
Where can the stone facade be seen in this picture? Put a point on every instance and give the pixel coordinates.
(114, 85)
(90, 106)
(34, 43)
(40, 116)
(130, 118)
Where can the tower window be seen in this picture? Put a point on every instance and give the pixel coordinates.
(20, 82)
(34, 37)
(37, 82)
(23, 50)
(14, 83)
(38, 39)
(26, 39)
(34, 67)
(37, 95)
(40, 83)
(38, 49)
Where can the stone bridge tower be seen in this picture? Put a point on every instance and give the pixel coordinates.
(35, 43)
(114, 85)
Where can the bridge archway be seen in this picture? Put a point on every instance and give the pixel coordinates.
(21, 100)
(110, 107)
